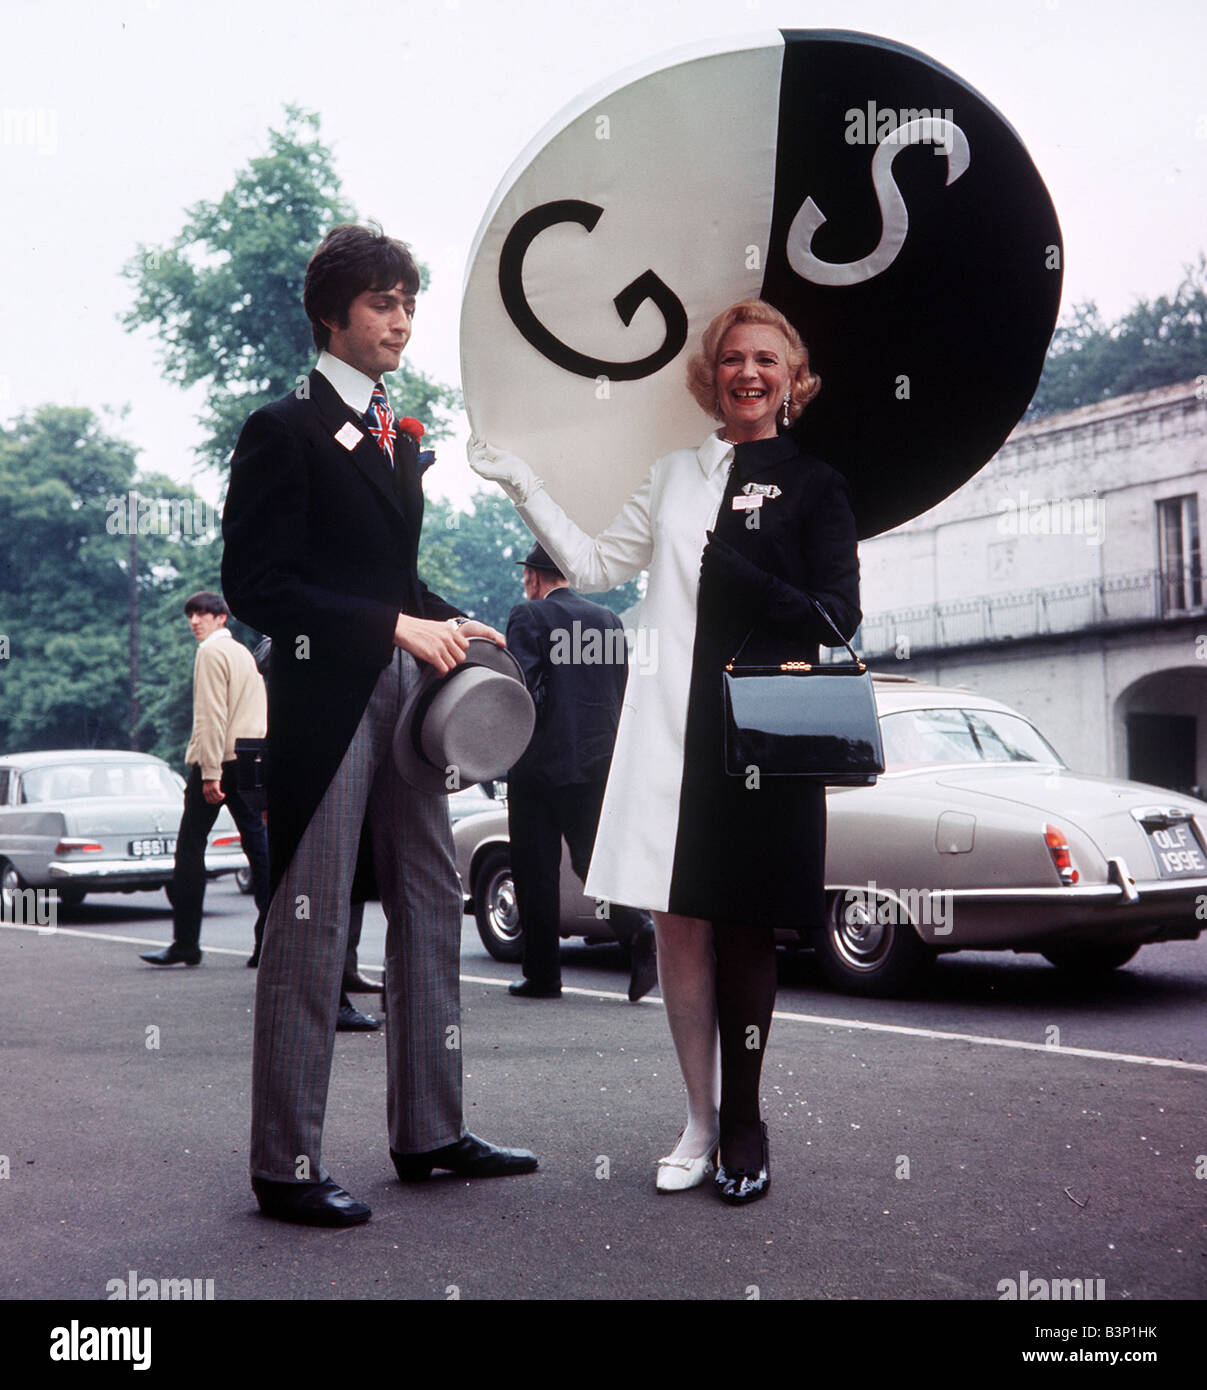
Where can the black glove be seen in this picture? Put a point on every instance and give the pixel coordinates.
(732, 574)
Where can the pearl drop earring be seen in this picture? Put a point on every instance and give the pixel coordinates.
(787, 398)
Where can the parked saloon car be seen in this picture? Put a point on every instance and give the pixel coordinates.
(977, 837)
(94, 821)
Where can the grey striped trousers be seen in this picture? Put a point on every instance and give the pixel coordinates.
(305, 938)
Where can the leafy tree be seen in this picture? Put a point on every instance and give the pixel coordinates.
(440, 565)
(225, 295)
(66, 490)
(171, 568)
(470, 558)
(1155, 344)
(60, 581)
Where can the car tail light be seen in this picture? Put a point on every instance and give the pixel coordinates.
(1058, 847)
(223, 840)
(84, 846)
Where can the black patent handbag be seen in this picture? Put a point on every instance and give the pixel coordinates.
(803, 719)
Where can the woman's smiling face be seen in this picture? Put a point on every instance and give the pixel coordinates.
(752, 380)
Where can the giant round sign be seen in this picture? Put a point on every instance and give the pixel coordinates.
(865, 190)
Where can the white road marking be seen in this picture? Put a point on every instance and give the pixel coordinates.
(980, 1038)
(101, 936)
(985, 1041)
(824, 1020)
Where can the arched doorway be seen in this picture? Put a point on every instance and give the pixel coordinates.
(1162, 721)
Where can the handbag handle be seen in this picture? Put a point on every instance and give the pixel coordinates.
(801, 665)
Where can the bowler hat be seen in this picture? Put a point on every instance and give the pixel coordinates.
(467, 726)
(538, 559)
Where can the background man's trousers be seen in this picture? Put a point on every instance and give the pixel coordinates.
(196, 822)
(305, 940)
(538, 818)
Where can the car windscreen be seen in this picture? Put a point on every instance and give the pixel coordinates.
(931, 737)
(75, 781)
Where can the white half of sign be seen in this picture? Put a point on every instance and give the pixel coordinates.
(660, 180)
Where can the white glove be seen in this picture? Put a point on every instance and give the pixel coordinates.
(512, 474)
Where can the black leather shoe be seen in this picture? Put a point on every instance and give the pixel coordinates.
(739, 1185)
(309, 1203)
(361, 984)
(525, 989)
(174, 955)
(643, 963)
(351, 1020)
(469, 1157)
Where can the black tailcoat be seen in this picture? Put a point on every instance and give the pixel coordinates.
(321, 547)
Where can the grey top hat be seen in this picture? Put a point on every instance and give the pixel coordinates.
(467, 726)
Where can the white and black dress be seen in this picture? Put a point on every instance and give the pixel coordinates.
(677, 834)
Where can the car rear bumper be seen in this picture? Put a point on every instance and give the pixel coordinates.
(152, 872)
(1122, 910)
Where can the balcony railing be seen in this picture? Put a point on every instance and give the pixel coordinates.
(1152, 596)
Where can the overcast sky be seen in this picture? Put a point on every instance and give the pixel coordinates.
(142, 108)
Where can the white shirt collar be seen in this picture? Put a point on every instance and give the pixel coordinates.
(222, 631)
(712, 454)
(353, 387)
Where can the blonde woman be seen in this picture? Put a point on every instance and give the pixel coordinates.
(737, 535)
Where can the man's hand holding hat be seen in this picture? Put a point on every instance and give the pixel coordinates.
(441, 644)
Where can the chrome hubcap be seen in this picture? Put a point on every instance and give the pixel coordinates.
(10, 885)
(860, 940)
(504, 913)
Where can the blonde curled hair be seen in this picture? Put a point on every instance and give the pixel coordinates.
(702, 365)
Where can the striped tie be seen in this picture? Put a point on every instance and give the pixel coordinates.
(380, 420)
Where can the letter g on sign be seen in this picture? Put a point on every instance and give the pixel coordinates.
(646, 286)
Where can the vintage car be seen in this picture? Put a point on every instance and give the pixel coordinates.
(92, 821)
(976, 837)
(468, 801)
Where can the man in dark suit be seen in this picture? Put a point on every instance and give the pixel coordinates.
(322, 524)
(575, 664)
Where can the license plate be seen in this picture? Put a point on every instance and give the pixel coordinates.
(148, 849)
(1177, 851)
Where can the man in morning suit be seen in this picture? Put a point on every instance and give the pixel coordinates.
(321, 525)
(575, 663)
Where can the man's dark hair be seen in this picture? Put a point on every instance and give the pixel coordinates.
(351, 259)
(204, 601)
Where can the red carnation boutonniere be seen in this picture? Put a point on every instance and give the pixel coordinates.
(409, 425)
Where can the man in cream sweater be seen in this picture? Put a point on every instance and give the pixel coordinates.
(228, 703)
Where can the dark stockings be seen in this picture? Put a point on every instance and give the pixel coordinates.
(746, 982)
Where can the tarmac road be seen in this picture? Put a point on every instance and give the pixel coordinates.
(1153, 1007)
(908, 1163)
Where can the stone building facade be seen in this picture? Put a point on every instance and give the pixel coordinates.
(1066, 579)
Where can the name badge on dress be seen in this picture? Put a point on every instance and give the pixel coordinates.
(348, 435)
(747, 503)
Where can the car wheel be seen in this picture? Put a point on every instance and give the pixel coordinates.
(860, 954)
(243, 879)
(1090, 960)
(11, 883)
(495, 909)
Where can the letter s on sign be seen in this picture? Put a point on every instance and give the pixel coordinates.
(894, 215)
